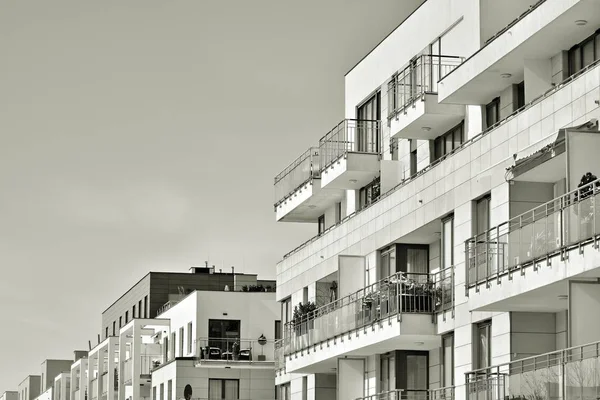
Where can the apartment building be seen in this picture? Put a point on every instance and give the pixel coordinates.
(29, 388)
(79, 381)
(456, 245)
(146, 298)
(10, 395)
(220, 346)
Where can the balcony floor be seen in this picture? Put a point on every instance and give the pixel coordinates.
(415, 332)
(539, 290)
(426, 113)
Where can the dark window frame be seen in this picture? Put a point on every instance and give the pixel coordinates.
(439, 144)
(321, 224)
(223, 380)
(362, 141)
(576, 53)
(487, 325)
(445, 337)
(369, 193)
(492, 112)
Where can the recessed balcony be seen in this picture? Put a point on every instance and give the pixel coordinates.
(563, 374)
(544, 30)
(298, 193)
(350, 154)
(235, 353)
(414, 110)
(526, 263)
(395, 313)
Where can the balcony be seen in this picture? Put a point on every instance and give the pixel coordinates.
(551, 240)
(395, 313)
(350, 154)
(446, 393)
(235, 353)
(541, 32)
(414, 110)
(572, 373)
(298, 193)
(147, 364)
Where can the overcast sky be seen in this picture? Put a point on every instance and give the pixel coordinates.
(145, 135)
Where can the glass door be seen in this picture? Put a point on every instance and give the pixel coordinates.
(367, 138)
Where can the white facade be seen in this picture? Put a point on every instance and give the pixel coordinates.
(79, 380)
(62, 386)
(200, 356)
(435, 261)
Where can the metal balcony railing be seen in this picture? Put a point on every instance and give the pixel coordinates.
(166, 306)
(474, 139)
(350, 136)
(544, 231)
(235, 350)
(572, 373)
(420, 77)
(415, 293)
(446, 393)
(295, 175)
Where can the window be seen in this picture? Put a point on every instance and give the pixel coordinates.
(146, 311)
(114, 328)
(338, 212)
(413, 157)
(369, 194)
(170, 389)
(388, 262)
(520, 95)
(284, 392)
(305, 388)
(449, 141)
(223, 333)
(413, 258)
(162, 391)
(120, 322)
(448, 360)
(492, 112)
(286, 310)
(484, 345)
(448, 242)
(367, 134)
(106, 333)
(388, 372)
(154, 393)
(126, 317)
(305, 295)
(584, 53)
(181, 342)
(140, 310)
(223, 389)
(133, 312)
(482, 215)
(321, 222)
(189, 337)
(278, 330)
(173, 344)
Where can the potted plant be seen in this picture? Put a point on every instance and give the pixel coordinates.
(303, 316)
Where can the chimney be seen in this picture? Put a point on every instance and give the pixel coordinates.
(233, 270)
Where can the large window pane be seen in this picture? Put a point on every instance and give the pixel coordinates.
(587, 50)
(484, 351)
(448, 361)
(447, 243)
(416, 261)
(416, 372)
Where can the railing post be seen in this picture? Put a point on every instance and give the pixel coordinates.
(467, 265)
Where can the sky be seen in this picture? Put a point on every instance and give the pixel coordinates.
(141, 136)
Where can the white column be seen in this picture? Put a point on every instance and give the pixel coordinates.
(350, 378)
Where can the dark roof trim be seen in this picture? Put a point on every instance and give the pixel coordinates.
(386, 36)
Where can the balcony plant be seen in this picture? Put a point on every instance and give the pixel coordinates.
(302, 316)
